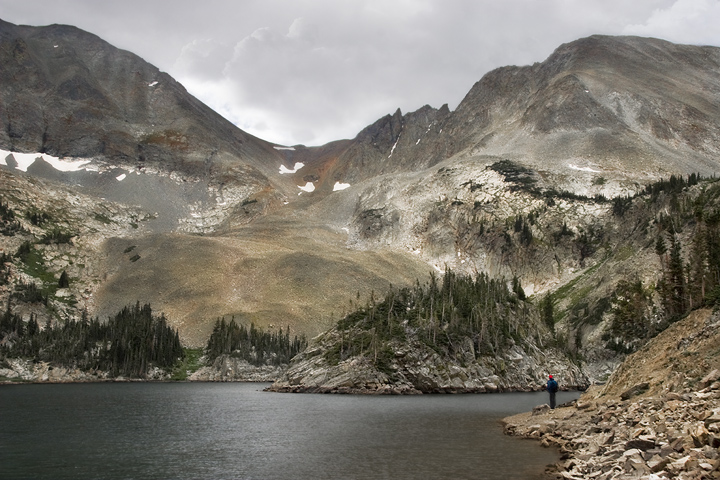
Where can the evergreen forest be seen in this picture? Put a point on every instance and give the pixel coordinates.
(128, 344)
(687, 243)
(444, 315)
(254, 345)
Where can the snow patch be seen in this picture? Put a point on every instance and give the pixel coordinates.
(120, 177)
(417, 142)
(152, 84)
(284, 148)
(340, 186)
(308, 187)
(582, 169)
(24, 160)
(284, 169)
(393, 147)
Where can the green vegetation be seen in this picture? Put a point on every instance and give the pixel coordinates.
(57, 236)
(525, 179)
(9, 225)
(445, 316)
(64, 280)
(253, 345)
(129, 344)
(690, 275)
(34, 263)
(37, 217)
(103, 218)
(190, 363)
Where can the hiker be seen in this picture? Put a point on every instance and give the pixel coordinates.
(552, 388)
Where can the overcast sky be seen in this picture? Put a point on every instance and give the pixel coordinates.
(309, 72)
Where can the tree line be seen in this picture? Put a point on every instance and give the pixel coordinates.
(128, 344)
(445, 315)
(687, 243)
(254, 345)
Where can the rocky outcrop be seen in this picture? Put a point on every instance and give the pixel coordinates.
(416, 368)
(17, 370)
(226, 368)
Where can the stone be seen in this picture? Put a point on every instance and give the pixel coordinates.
(640, 444)
(635, 390)
(710, 378)
(700, 436)
(657, 463)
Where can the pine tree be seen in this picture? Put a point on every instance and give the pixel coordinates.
(64, 281)
(675, 303)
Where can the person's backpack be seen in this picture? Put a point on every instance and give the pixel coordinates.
(552, 386)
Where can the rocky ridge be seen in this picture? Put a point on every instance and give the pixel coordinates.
(417, 368)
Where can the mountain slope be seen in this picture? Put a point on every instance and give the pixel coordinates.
(68, 93)
(629, 110)
(514, 183)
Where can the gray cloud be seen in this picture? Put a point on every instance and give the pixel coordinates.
(304, 71)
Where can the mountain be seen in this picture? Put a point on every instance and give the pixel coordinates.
(531, 177)
(626, 109)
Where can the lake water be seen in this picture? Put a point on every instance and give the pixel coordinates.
(237, 431)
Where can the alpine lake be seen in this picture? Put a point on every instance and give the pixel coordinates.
(238, 431)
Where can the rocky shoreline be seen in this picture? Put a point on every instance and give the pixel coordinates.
(223, 369)
(657, 437)
(657, 418)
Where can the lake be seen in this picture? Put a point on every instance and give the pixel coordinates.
(237, 431)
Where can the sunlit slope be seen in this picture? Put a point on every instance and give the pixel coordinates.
(273, 274)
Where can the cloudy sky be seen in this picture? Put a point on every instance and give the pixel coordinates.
(312, 71)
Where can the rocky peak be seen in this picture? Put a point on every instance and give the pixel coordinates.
(68, 93)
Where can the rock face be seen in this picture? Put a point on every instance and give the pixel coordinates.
(68, 93)
(665, 427)
(229, 369)
(417, 368)
(19, 370)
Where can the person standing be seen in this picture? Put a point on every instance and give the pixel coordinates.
(552, 388)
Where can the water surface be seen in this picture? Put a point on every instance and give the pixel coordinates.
(237, 431)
